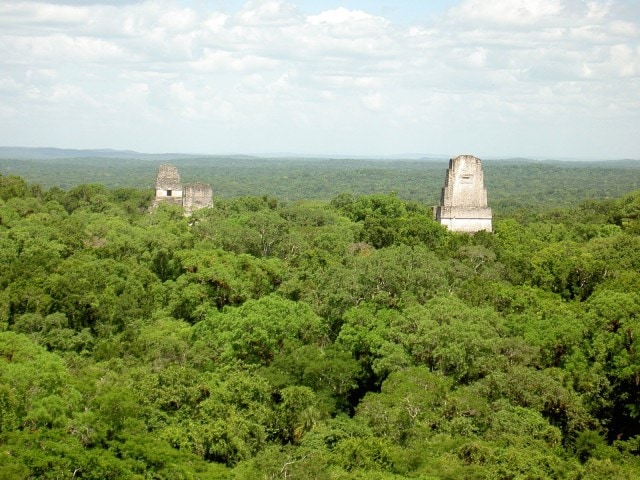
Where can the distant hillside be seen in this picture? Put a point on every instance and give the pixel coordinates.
(44, 153)
(511, 183)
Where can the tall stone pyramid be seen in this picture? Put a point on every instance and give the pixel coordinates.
(463, 203)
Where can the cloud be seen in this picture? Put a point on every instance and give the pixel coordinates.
(268, 66)
(509, 13)
(373, 101)
(60, 48)
(263, 13)
(218, 61)
(342, 16)
(91, 2)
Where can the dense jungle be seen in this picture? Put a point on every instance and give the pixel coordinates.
(332, 334)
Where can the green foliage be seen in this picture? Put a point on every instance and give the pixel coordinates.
(13, 187)
(443, 334)
(567, 270)
(34, 386)
(386, 220)
(258, 330)
(214, 278)
(350, 339)
(512, 184)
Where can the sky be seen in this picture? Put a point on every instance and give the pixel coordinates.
(499, 78)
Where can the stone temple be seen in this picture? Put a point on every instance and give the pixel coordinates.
(463, 203)
(190, 196)
(196, 195)
(168, 185)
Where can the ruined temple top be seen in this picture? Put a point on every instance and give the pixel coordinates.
(190, 196)
(168, 178)
(464, 183)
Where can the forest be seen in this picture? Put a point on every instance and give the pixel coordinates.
(335, 335)
(512, 183)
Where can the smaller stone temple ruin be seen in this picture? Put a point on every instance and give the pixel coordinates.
(463, 203)
(190, 196)
(196, 195)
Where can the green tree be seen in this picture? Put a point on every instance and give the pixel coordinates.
(35, 387)
(568, 270)
(255, 332)
(12, 186)
(213, 278)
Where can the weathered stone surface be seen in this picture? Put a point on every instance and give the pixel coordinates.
(191, 196)
(168, 178)
(168, 186)
(463, 203)
(196, 196)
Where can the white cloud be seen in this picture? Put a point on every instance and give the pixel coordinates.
(281, 85)
(262, 13)
(52, 50)
(212, 61)
(215, 22)
(50, 16)
(343, 15)
(178, 20)
(625, 60)
(9, 85)
(511, 13)
(364, 81)
(373, 101)
(8, 113)
(70, 95)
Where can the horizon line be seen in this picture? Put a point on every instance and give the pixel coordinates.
(335, 155)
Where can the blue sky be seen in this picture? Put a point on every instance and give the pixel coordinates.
(536, 78)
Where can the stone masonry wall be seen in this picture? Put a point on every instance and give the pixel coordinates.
(197, 195)
(463, 202)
